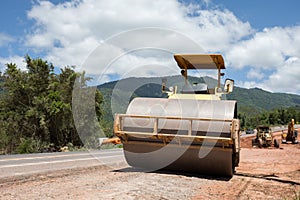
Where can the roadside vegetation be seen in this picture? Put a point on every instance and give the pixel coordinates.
(36, 108)
(274, 117)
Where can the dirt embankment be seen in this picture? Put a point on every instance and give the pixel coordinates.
(268, 173)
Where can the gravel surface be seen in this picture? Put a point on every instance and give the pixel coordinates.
(263, 174)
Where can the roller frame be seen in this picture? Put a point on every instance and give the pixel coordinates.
(219, 144)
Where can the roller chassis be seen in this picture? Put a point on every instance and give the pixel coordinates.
(192, 131)
(233, 142)
(145, 140)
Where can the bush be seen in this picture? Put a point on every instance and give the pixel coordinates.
(29, 145)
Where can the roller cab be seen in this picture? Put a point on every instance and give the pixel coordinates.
(190, 131)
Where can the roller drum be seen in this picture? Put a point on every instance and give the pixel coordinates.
(155, 154)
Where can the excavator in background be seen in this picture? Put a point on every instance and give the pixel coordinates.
(291, 135)
(192, 131)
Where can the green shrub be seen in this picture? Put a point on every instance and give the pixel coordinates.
(29, 145)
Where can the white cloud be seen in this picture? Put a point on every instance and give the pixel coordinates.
(285, 78)
(73, 54)
(18, 60)
(220, 29)
(68, 32)
(255, 74)
(5, 39)
(267, 49)
(247, 84)
(275, 50)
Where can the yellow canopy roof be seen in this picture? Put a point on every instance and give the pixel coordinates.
(200, 61)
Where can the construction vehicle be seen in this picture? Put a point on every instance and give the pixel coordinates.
(291, 135)
(192, 131)
(264, 137)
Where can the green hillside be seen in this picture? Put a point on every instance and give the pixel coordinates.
(258, 100)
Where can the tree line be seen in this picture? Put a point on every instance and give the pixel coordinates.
(279, 116)
(36, 108)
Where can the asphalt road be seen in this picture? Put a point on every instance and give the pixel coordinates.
(26, 164)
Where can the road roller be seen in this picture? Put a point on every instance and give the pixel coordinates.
(194, 130)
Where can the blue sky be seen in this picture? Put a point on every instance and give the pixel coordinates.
(260, 40)
(262, 14)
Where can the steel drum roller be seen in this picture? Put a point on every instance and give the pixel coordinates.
(154, 153)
